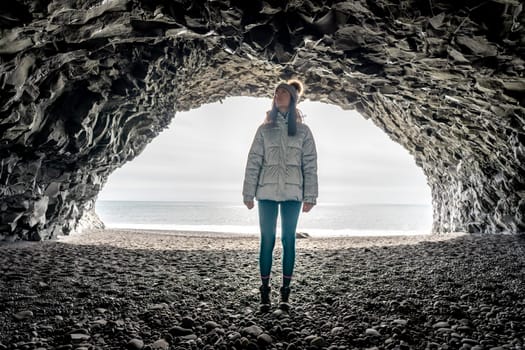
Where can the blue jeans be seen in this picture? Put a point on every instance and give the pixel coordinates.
(268, 211)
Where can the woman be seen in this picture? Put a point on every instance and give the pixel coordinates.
(281, 173)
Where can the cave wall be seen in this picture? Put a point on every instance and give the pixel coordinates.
(86, 85)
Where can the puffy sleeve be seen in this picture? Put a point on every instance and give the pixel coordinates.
(309, 164)
(253, 166)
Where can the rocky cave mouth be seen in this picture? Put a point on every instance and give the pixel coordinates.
(87, 85)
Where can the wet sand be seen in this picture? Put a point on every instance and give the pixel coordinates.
(118, 289)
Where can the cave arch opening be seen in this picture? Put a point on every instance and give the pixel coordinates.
(190, 176)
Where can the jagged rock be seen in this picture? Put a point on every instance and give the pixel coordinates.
(87, 85)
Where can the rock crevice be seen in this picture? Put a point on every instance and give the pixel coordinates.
(87, 84)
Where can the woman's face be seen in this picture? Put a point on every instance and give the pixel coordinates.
(282, 98)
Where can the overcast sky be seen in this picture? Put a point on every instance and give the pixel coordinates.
(202, 156)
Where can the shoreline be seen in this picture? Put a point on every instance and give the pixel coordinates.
(198, 240)
(106, 289)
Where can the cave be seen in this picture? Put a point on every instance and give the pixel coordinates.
(86, 85)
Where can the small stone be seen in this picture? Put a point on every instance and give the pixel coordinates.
(441, 325)
(23, 315)
(79, 331)
(187, 322)
(178, 331)
(160, 344)
(159, 306)
(135, 344)
(264, 339)
(469, 341)
(211, 325)
(234, 335)
(253, 331)
(444, 330)
(78, 337)
(337, 330)
(244, 342)
(318, 342)
(465, 329)
(100, 322)
(189, 337)
(372, 332)
(400, 322)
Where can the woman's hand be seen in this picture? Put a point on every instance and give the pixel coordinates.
(307, 207)
(248, 204)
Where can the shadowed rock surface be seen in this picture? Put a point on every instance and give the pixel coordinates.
(87, 84)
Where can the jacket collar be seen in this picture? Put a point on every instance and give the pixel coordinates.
(282, 117)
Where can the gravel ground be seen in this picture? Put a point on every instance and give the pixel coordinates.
(148, 290)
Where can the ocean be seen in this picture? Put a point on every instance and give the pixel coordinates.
(325, 219)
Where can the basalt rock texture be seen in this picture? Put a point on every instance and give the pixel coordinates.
(86, 84)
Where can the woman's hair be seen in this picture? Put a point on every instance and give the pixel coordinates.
(294, 115)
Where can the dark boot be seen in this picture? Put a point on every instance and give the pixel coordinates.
(285, 296)
(265, 298)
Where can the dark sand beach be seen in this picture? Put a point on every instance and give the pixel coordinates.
(143, 289)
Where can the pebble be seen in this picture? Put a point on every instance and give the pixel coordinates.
(372, 332)
(180, 331)
(291, 346)
(209, 325)
(464, 329)
(244, 342)
(234, 335)
(278, 313)
(444, 330)
(77, 337)
(159, 306)
(187, 322)
(337, 330)
(253, 331)
(160, 344)
(441, 325)
(318, 342)
(189, 337)
(23, 315)
(400, 322)
(225, 324)
(100, 322)
(135, 344)
(264, 339)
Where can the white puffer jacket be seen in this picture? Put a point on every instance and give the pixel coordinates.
(281, 167)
